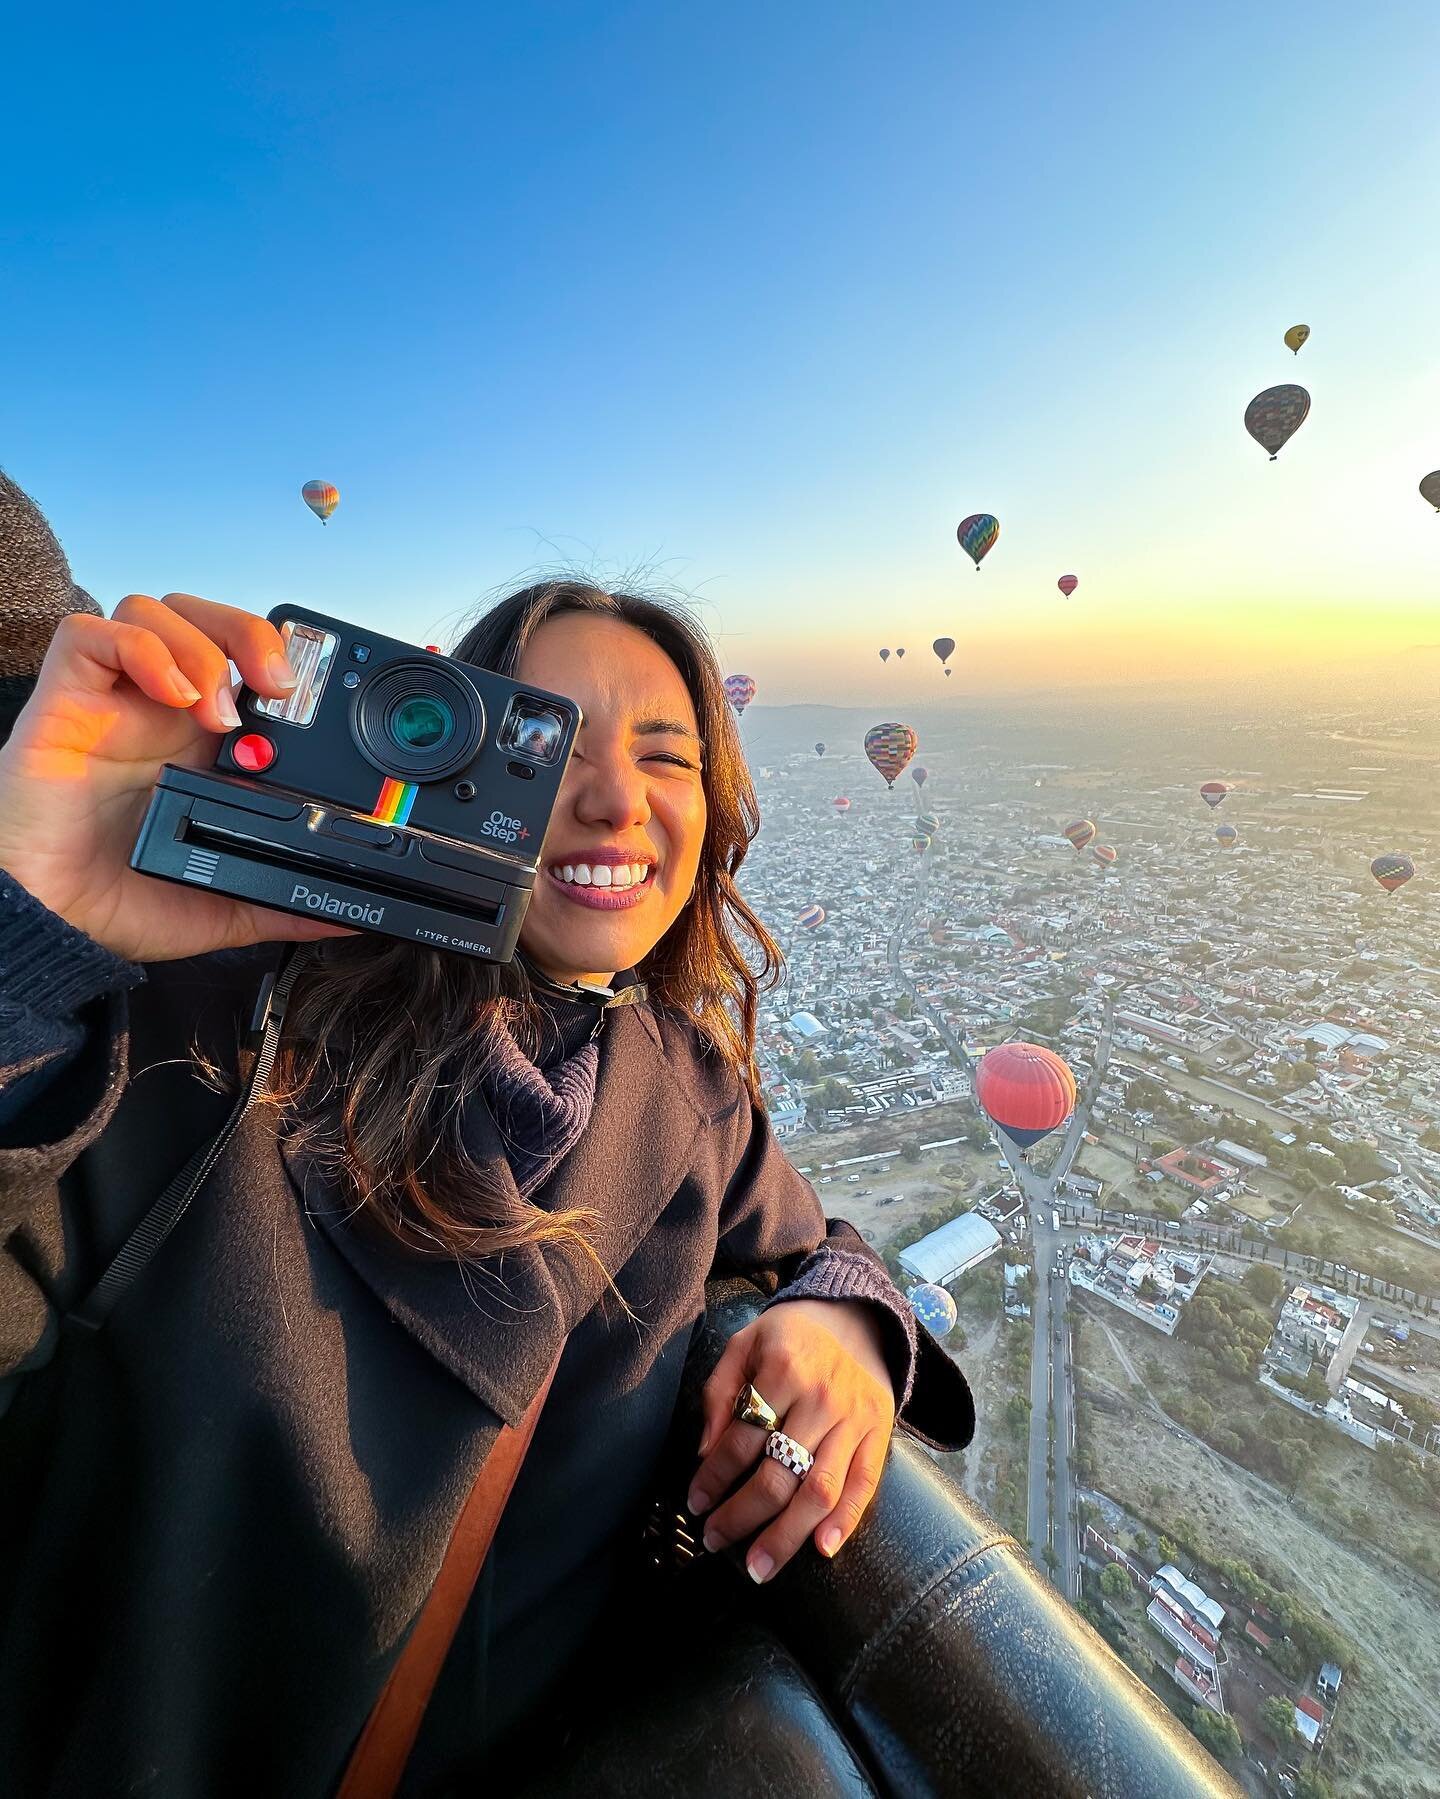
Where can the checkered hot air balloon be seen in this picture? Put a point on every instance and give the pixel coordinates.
(1272, 418)
(1025, 1090)
(1392, 872)
(321, 498)
(934, 1308)
(890, 748)
(977, 536)
(739, 690)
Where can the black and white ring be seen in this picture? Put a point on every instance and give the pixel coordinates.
(790, 1454)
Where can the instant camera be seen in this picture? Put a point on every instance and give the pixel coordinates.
(396, 790)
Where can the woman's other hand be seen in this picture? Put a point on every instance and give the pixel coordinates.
(115, 699)
(820, 1365)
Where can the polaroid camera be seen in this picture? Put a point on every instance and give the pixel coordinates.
(395, 790)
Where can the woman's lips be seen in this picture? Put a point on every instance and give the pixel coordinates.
(601, 899)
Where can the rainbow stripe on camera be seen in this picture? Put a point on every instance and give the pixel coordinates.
(396, 799)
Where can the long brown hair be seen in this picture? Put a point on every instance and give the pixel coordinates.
(385, 1040)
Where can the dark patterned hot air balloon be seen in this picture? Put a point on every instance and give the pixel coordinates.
(977, 536)
(890, 748)
(1067, 584)
(1430, 489)
(1080, 833)
(1025, 1090)
(819, 749)
(1226, 836)
(321, 498)
(1295, 337)
(1273, 418)
(1392, 872)
(919, 774)
(810, 917)
(739, 690)
(841, 805)
(919, 844)
(934, 1308)
(1213, 792)
(884, 655)
(1104, 855)
(927, 823)
(944, 648)
(901, 654)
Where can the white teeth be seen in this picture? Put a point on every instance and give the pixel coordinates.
(637, 873)
(600, 875)
(568, 872)
(582, 875)
(621, 875)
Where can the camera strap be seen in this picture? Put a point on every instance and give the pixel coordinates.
(599, 999)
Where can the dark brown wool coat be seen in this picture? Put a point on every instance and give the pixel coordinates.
(220, 1516)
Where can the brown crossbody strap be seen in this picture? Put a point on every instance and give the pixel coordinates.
(379, 1757)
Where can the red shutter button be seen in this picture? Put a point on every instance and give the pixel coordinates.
(252, 752)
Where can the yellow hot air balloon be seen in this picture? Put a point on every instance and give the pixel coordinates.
(1295, 337)
(321, 498)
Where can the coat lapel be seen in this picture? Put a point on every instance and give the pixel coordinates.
(496, 1325)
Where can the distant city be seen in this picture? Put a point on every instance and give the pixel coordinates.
(1201, 1320)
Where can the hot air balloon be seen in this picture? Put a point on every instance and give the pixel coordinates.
(934, 1308)
(1392, 872)
(928, 823)
(739, 690)
(977, 536)
(890, 748)
(321, 498)
(919, 844)
(944, 648)
(841, 805)
(919, 774)
(1080, 833)
(1295, 337)
(1025, 1090)
(1273, 418)
(1430, 489)
(1226, 836)
(819, 749)
(1067, 584)
(1104, 855)
(884, 655)
(900, 653)
(1212, 792)
(810, 917)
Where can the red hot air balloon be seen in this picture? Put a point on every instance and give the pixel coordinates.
(890, 748)
(1213, 792)
(919, 774)
(1080, 833)
(739, 690)
(977, 535)
(1025, 1090)
(841, 805)
(1392, 872)
(1103, 854)
(1067, 584)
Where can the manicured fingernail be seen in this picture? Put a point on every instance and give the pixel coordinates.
(760, 1565)
(698, 1502)
(225, 707)
(830, 1540)
(711, 1540)
(281, 673)
(184, 692)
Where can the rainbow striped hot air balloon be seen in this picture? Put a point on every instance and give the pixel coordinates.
(1025, 1090)
(1392, 872)
(1226, 836)
(739, 690)
(890, 748)
(1213, 792)
(919, 843)
(934, 1308)
(977, 536)
(927, 823)
(321, 498)
(810, 917)
(1080, 833)
(1104, 855)
(1067, 584)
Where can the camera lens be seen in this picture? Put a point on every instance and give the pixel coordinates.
(418, 721)
(421, 723)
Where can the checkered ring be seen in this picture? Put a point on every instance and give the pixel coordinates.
(790, 1454)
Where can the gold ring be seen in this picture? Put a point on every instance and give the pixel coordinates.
(750, 1408)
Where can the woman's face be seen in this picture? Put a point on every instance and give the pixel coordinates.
(624, 842)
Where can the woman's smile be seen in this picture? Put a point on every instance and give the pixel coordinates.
(607, 880)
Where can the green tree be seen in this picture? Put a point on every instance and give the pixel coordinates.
(1277, 1715)
(910, 1151)
(1263, 1282)
(1313, 1784)
(1218, 1734)
(1114, 1581)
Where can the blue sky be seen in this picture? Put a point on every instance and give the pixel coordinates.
(765, 297)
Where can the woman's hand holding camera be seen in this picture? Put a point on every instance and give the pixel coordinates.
(116, 698)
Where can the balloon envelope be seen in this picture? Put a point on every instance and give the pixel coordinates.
(919, 774)
(1080, 833)
(899, 652)
(1226, 836)
(934, 1308)
(1295, 337)
(884, 655)
(1103, 854)
(890, 748)
(944, 648)
(1273, 418)
(739, 690)
(841, 805)
(919, 843)
(1025, 1090)
(977, 536)
(819, 749)
(927, 823)
(1392, 871)
(810, 917)
(1067, 584)
(321, 498)
(1213, 792)
(1430, 489)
